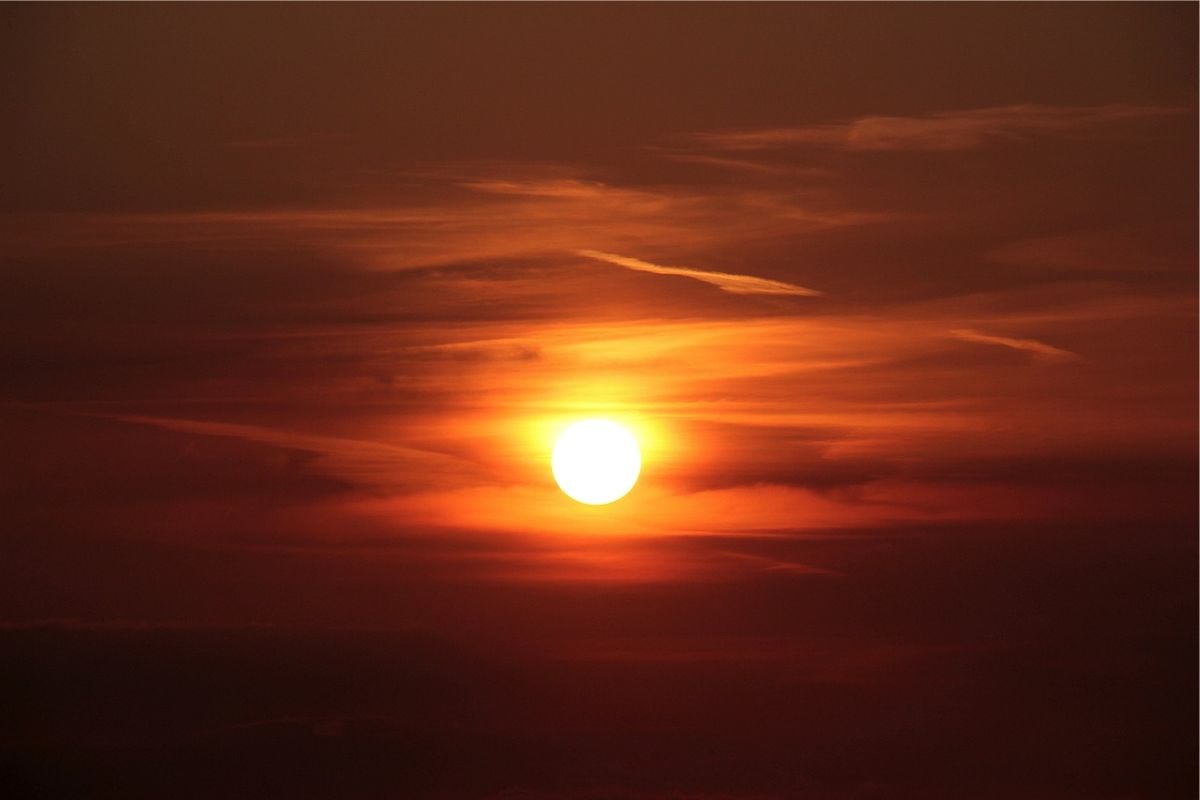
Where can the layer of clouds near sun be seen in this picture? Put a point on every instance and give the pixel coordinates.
(802, 334)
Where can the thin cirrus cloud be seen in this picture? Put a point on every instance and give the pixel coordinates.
(1040, 350)
(362, 462)
(472, 220)
(949, 130)
(725, 281)
(748, 166)
(1162, 247)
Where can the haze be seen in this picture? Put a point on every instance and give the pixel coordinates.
(900, 301)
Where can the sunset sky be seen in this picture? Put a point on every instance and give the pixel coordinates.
(899, 300)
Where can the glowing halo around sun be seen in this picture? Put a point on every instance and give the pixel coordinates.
(596, 462)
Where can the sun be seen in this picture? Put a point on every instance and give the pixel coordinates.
(596, 461)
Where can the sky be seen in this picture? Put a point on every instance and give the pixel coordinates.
(900, 301)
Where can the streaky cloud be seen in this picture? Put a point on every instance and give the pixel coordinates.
(1040, 350)
(725, 281)
(747, 165)
(356, 461)
(949, 130)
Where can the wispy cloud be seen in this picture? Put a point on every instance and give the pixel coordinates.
(725, 281)
(1162, 247)
(779, 565)
(368, 463)
(950, 130)
(1040, 350)
(568, 188)
(747, 165)
(469, 216)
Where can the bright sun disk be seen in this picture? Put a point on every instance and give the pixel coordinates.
(596, 461)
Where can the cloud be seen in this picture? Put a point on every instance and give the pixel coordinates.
(950, 130)
(1040, 350)
(745, 165)
(778, 565)
(567, 188)
(361, 462)
(463, 216)
(1163, 247)
(725, 281)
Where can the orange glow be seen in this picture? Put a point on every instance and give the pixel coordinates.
(623, 400)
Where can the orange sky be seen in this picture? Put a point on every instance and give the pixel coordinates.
(304, 294)
(821, 304)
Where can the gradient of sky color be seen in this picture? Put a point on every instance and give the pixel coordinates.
(901, 301)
